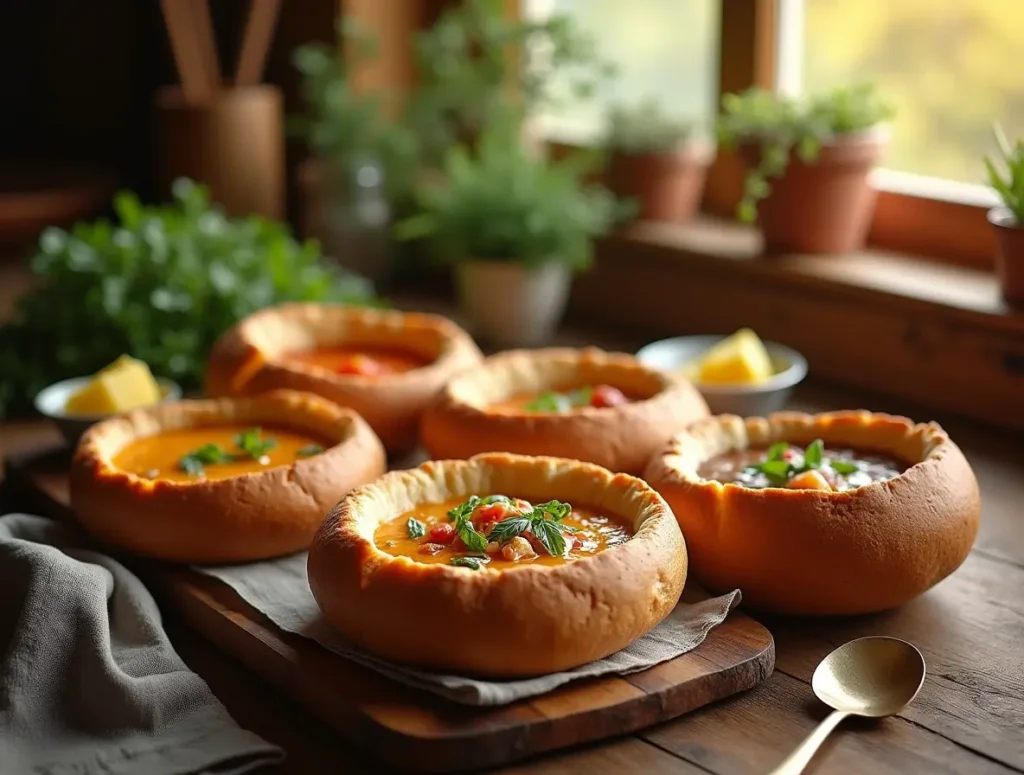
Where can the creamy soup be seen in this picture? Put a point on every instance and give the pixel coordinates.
(216, 452)
(817, 467)
(499, 532)
(361, 361)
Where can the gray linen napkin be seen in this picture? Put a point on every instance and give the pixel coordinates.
(89, 682)
(280, 590)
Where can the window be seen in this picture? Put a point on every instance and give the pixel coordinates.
(665, 49)
(948, 67)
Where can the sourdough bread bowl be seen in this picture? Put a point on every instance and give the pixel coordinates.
(873, 512)
(415, 597)
(386, 365)
(221, 480)
(604, 408)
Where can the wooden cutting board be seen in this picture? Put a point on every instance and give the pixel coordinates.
(406, 727)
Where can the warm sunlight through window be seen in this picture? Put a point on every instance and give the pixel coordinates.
(948, 66)
(665, 49)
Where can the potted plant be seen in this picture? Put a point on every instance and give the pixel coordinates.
(515, 224)
(363, 162)
(655, 160)
(809, 163)
(1008, 220)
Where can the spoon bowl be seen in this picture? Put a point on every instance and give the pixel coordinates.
(872, 677)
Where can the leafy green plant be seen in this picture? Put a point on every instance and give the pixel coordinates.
(474, 59)
(343, 125)
(1009, 182)
(781, 126)
(162, 283)
(645, 128)
(503, 202)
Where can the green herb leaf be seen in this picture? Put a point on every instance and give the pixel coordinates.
(251, 443)
(507, 529)
(549, 402)
(473, 563)
(549, 534)
(844, 467)
(464, 509)
(191, 466)
(309, 450)
(777, 450)
(470, 536)
(556, 510)
(813, 454)
(414, 528)
(495, 499)
(777, 471)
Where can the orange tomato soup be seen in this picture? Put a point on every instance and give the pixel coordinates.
(361, 361)
(218, 452)
(588, 532)
(563, 399)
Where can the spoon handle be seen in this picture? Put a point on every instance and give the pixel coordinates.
(794, 763)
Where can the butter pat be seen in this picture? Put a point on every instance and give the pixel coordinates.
(125, 384)
(740, 359)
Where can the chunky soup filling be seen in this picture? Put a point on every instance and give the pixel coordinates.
(500, 532)
(215, 453)
(815, 467)
(563, 400)
(361, 361)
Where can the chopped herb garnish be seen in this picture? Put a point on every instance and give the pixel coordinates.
(844, 467)
(507, 529)
(548, 532)
(473, 563)
(552, 401)
(544, 521)
(414, 528)
(813, 454)
(779, 471)
(470, 536)
(309, 450)
(251, 443)
(207, 455)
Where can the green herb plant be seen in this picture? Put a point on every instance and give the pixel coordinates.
(645, 128)
(1008, 182)
(779, 470)
(543, 521)
(553, 401)
(159, 283)
(474, 59)
(504, 202)
(780, 126)
(344, 126)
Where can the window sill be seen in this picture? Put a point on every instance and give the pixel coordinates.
(933, 333)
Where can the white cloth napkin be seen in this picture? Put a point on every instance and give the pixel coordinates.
(280, 590)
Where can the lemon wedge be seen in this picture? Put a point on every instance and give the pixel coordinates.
(740, 359)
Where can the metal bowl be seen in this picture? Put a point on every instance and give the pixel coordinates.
(745, 400)
(51, 402)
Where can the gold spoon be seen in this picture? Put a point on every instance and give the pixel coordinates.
(872, 677)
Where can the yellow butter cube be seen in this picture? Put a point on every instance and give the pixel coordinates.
(123, 385)
(739, 359)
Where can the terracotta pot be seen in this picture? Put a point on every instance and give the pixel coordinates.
(667, 187)
(826, 206)
(1010, 253)
(510, 305)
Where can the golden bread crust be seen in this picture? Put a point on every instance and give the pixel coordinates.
(622, 438)
(529, 620)
(246, 360)
(822, 552)
(254, 516)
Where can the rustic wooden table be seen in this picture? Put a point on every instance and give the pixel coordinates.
(969, 717)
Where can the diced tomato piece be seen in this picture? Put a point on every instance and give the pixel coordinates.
(577, 542)
(362, 365)
(606, 395)
(442, 533)
(491, 512)
(523, 505)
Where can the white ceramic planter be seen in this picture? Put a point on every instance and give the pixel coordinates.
(510, 305)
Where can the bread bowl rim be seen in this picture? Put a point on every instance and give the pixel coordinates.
(339, 426)
(455, 342)
(679, 461)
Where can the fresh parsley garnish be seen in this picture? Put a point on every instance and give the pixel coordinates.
(252, 444)
(779, 471)
(414, 528)
(549, 533)
(309, 450)
(544, 521)
(207, 455)
(813, 454)
(473, 563)
(844, 467)
(507, 529)
(553, 401)
(470, 536)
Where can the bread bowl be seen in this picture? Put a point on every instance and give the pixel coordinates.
(497, 613)
(386, 365)
(505, 404)
(221, 480)
(875, 514)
